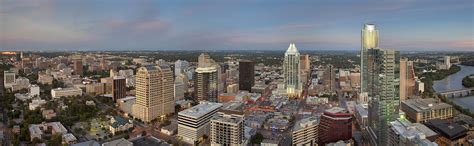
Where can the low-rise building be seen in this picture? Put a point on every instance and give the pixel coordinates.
(170, 129)
(38, 131)
(65, 92)
(361, 116)
(450, 134)
(118, 142)
(48, 114)
(422, 110)
(35, 103)
(118, 124)
(403, 132)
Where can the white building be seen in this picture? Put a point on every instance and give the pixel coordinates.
(65, 92)
(194, 123)
(291, 71)
(35, 103)
(9, 78)
(305, 132)
(118, 124)
(34, 91)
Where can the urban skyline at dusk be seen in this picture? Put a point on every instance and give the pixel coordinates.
(233, 25)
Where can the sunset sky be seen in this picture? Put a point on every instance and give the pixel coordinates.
(234, 24)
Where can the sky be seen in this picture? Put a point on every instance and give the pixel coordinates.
(234, 24)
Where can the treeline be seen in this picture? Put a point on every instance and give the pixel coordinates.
(468, 81)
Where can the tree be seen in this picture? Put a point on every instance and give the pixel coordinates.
(257, 138)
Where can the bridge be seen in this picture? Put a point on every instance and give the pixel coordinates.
(457, 93)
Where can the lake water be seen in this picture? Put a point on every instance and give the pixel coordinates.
(454, 82)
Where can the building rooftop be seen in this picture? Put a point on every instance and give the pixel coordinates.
(426, 104)
(448, 130)
(361, 110)
(200, 109)
(87, 143)
(336, 110)
(148, 141)
(228, 118)
(303, 123)
(119, 121)
(410, 130)
(66, 89)
(118, 142)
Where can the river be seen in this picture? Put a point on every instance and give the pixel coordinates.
(454, 82)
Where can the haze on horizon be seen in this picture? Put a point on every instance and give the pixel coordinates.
(232, 25)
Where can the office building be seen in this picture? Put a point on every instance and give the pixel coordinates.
(154, 93)
(422, 110)
(404, 133)
(291, 71)
(305, 132)
(335, 125)
(407, 79)
(450, 134)
(119, 88)
(447, 61)
(78, 67)
(369, 40)
(383, 91)
(65, 92)
(205, 84)
(95, 88)
(180, 67)
(227, 128)
(9, 78)
(194, 123)
(246, 75)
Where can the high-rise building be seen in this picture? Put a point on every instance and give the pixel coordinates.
(180, 67)
(305, 132)
(383, 91)
(154, 92)
(194, 123)
(369, 40)
(246, 75)
(291, 71)
(207, 80)
(305, 68)
(227, 128)
(9, 78)
(407, 79)
(447, 61)
(78, 68)
(335, 125)
(119, 88)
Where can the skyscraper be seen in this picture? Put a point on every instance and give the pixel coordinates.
(180, 67)
(227, 128)
(205, 84)
(370, 40)
(383, 90)
(407, 79)
(78, 68)
(206, 79)
(119, 88)
(154, 91)
(246, 75)
(291, 71)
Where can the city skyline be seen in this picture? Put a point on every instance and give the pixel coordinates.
(232, 25)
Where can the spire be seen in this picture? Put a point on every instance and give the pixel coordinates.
(292, 48)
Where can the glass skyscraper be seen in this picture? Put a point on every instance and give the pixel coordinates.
(383, 91)
(291, 69)
(370, 40)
